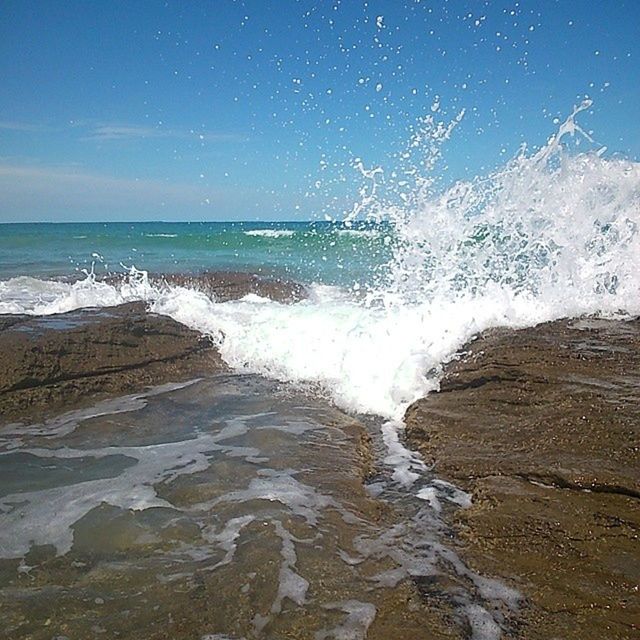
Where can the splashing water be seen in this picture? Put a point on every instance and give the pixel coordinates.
(559, 227)
(553, 233)
(29, 295)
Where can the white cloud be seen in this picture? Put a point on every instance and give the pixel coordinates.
(120, 132)
(26, 127)
(33, 192)
(110, 132)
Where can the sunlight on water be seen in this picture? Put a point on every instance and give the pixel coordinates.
(553, 233)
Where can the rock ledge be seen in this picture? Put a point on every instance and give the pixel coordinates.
(542, 425)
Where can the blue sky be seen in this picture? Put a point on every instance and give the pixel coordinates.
(257, 109)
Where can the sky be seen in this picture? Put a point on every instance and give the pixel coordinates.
(260, 109)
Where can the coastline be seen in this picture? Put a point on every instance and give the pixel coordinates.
(538, 424)
(542, 426)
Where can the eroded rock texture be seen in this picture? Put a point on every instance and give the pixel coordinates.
(63, 360)
(543, 427)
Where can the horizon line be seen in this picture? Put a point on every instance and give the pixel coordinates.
(167, 221)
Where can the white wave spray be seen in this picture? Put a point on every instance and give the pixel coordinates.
(551, 234)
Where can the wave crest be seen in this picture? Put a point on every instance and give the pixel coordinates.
(551, 234)
(270, 233)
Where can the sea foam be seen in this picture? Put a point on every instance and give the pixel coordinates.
(552, 234)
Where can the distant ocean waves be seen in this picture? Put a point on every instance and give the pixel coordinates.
(329, 253)
(270, 233)
(161, 235)
(288, 233)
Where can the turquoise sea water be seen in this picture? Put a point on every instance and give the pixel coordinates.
(553, 233)
(308, 251)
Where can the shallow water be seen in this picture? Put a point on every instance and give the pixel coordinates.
(230, 507)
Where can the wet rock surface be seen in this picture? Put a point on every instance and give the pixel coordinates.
(228, 507)
(63, 360)
(542, 425)
(49, 363)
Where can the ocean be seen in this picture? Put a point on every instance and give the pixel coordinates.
(306, 251)
(414, 269)
(234, 504)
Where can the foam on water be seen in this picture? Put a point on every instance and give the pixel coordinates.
(270, 233)
(28, 295)
(553, 233)
(12, 435)
(47, 516)
(359, 616)
(227, 538)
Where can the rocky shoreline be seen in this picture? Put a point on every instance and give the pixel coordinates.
(542, 426)
(54, 363)
(69, 360)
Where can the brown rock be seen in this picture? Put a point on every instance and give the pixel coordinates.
(543, 426)
(222, 286)
(62, 360)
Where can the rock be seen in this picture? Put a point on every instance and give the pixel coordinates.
(62, 360)
(222, 286)
(542, 425)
